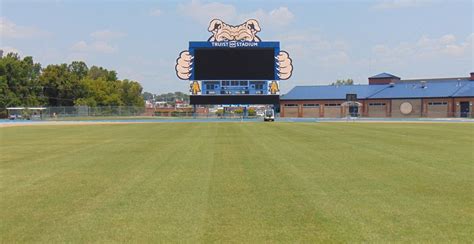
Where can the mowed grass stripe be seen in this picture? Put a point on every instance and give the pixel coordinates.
(112, 180)
(243, 182)
(377, 168)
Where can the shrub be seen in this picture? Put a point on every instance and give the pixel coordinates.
(252, 112)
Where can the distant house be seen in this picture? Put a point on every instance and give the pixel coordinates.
(386, 95)
(148, 104)
(181, 104)
(161, 104)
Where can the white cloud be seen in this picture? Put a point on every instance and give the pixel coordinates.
(103, 47)
(93, 47)
(426, 48)
(311, 46)
(8, 49)
(447, 39)
(205, 12)
(107, 34)
(8, 29)
(337, 58)
(281, 16)
(77, 56)
(80, 46)
(397, 4)
(99, 43)
(156, 12)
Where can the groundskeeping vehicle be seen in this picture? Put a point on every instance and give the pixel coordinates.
(269, 115)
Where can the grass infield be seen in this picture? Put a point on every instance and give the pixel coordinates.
(241, 182)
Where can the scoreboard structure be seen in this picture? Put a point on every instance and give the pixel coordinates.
(232, 71)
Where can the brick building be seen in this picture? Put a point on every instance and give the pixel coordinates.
(386, 95)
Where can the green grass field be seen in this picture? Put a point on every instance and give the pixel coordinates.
(239, 182)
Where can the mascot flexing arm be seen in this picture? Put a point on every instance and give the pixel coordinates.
(224, 32)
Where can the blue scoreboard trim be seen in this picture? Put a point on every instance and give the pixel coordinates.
(235, 44)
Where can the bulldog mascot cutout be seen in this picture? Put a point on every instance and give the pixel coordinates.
(222, 32)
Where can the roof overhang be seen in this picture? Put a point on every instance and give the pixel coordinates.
(29, 108)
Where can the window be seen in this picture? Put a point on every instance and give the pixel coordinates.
(437, 103)
(291, 105)
(332, 104)
(234, 83)
(243, 83)
(310, 105)
(376, 104)
(225, 83)
(258, 85)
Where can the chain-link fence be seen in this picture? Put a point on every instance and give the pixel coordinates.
(75, 112)
(117, 112)
(85, 111)
(206, 112)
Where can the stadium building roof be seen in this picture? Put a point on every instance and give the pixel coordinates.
(23, 108)
(331, 92)
(449, 87)
(413, 89)
(384, 76)
(465, 91)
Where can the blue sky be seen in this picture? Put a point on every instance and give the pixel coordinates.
(327, 40)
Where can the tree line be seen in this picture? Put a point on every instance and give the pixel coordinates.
(25, 83)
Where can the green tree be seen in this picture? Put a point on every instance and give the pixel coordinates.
(79, 69)
(170, 97)
(98, 72)
(343, 82)
(89, 101)
(24, 83)
(98, 92)
(61, 86)
(148, 96)
(132, 93)
(19, 82)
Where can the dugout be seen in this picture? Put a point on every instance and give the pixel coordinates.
(33, 113)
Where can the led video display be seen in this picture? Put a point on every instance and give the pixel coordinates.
(234, 64)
